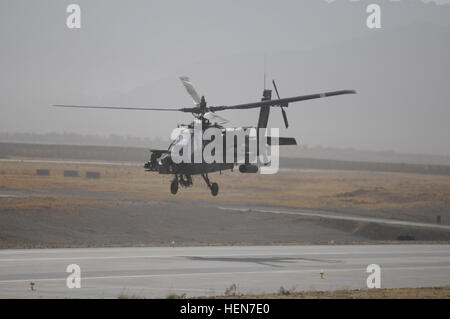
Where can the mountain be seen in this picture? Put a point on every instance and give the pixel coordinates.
(401, 76)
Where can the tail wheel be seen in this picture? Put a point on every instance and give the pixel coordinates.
(214, 189)
(174, 186)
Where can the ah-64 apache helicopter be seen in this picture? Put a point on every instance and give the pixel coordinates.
(161, 160)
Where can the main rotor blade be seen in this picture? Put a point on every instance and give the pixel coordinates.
(124, 108)
(280, 101)
(213, 117)
(276, 89)
(190, 88)
(281, 105)
(286, 123)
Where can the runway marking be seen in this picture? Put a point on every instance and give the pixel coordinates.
(225, 273)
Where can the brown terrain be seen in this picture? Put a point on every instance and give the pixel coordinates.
(398, 293)
(128, 206)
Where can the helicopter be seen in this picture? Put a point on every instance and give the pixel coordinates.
(163, 161)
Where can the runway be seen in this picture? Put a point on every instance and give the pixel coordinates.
(155, 272)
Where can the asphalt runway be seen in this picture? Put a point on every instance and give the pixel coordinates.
(155, 272)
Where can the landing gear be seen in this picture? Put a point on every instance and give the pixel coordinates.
(214, 187)
(183, 180)
(186, 181)
(174, 186)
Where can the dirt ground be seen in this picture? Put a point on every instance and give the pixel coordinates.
(128, 206)
(401, 293)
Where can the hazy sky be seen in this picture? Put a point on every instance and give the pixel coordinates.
(132, 52)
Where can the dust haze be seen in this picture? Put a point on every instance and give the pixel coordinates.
(131, 53)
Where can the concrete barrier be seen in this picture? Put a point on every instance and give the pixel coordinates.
(70, 173)
(43, 172)
(94, 175)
